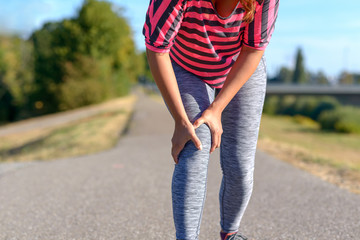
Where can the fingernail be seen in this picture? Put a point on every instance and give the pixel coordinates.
(200, 146)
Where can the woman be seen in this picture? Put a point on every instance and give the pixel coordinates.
(206, 57)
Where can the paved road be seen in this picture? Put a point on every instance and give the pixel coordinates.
(124, 193)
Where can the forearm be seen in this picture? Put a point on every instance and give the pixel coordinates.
(241, 71)
(164, 76)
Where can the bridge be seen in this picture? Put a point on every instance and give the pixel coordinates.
(346, 94)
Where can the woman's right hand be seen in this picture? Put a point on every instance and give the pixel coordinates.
(183, 132)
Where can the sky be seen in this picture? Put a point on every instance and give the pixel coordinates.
(327, 32)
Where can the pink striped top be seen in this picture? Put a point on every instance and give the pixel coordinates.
(202, 41)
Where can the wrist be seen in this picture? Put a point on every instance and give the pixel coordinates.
(216, 106)
(182, 120)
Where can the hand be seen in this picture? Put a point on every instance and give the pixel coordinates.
(212, 118)
(184, 131)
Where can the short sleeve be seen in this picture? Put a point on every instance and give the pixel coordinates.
(163, 20)
(258, 33)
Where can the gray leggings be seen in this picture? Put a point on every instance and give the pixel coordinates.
(240, 122)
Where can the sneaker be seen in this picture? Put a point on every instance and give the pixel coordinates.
(236, 236)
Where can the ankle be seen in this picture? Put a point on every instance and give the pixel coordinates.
(225, 235)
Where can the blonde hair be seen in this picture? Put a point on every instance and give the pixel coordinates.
(249, 6)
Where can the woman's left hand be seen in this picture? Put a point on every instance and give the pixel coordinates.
(212, 118)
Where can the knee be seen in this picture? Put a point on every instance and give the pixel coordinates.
(240, 178)
(204, 134)
(192, 160)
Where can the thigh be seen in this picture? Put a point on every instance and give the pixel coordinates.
(241, 121)
(196, 95)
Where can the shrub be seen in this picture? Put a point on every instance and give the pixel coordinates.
(286, 105)
(323, 104)
(271, 105)
(349, 122)
(342, 119)
(305, 105)
(305, 121)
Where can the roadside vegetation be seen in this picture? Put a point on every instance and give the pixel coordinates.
(66, 64)
(315, 133)
(88, 135)
(300, 141)
(326, 111)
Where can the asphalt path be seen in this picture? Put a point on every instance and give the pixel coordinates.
(124, 193)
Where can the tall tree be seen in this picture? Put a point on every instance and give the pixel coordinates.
(300, 76)
(319, 78)
(285, 75)
(84, 60)
(16, 77)
(346, 78)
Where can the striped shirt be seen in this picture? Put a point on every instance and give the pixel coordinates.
(203, 42)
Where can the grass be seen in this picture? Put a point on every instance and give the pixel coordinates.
(81, 137)
(332, 156)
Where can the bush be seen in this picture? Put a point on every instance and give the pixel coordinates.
(323, 104)
(271, 105)
(309, 106)
(75, 94)
(326, 110)
(286, 105)
(342, 119)
(305, 121)
(327, 119)
(305, 105)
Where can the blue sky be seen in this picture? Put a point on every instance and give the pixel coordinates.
(328, 32)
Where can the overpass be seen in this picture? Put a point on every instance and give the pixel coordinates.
(346, 94)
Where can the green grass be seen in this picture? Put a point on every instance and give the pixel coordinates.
(81, 137)
(334, 157)
(335, 149)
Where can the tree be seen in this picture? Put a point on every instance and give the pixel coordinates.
(284, 76)
(346, 78)
(84, 60)
(146, 76)
(300, 76)
(356, 78)
(16, 77)
(48, 66)
(319, 78)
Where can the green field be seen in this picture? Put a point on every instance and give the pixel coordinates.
(333, 156)
(88, 135)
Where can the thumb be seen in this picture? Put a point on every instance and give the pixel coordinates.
(198, 122)
(196, 141)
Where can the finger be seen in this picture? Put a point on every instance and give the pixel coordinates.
(196, 141)
(219, 141)
(176, 149)
(198, 122)
(175, 155)
(214, 142)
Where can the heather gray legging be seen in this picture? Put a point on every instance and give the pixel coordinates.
(240, 122)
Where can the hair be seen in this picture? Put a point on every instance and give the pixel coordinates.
(249, 6)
